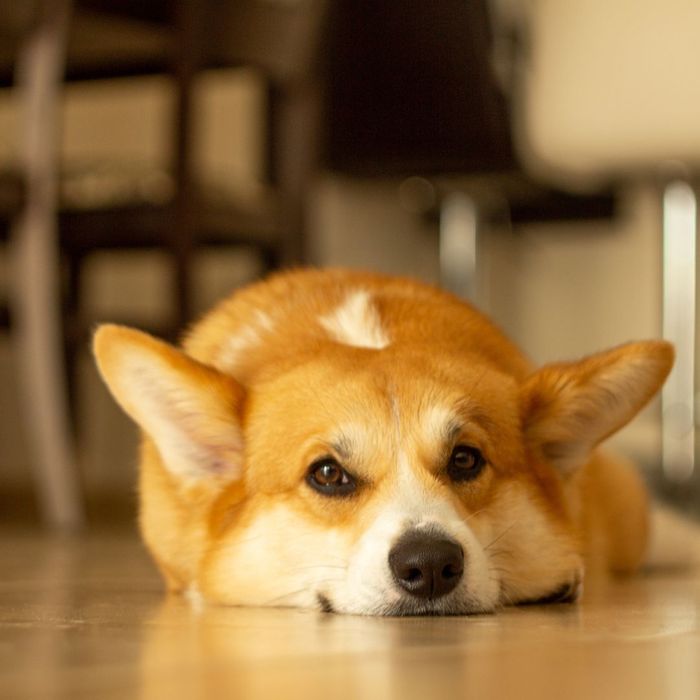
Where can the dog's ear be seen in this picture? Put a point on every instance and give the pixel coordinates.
(568, 408)
(189, 410)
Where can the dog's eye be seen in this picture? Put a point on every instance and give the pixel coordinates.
(327, 477)
(466, 463)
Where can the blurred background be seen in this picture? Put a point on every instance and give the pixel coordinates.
(535, 156)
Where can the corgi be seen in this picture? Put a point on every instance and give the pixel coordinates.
(366, 444)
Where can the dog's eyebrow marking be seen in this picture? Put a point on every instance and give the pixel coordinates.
(348, 441)
(441, 424)
(356, 322)
(342, 448)
(448, 422)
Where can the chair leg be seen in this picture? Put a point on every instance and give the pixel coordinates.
(35, 288)
(294, 153)
(74, 329)
(679, 320)
(186, 62)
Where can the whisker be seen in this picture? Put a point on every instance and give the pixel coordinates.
(500, 569)
(320, 566)
(505, 596)
(498, 537)
(280, 598)
(474, 514)
(283, 596)
(264, 535)
(247, 540)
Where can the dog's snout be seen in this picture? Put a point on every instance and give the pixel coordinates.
(425, 565)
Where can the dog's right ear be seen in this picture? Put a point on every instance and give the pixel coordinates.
(189, 410)
(568, 408)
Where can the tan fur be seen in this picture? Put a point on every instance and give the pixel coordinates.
(282, 373)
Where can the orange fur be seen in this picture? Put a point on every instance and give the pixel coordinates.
(385, 376)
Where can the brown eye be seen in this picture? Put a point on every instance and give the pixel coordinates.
(466, 463)
(327, 477)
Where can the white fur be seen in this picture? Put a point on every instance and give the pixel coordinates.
(245, 340)
(545, 558)
(356, 322)
(280, 545)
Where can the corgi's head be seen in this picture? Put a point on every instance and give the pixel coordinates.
(375, 481)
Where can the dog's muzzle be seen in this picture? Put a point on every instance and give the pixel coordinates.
(426, 565)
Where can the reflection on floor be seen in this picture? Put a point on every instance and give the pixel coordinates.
(86, 618)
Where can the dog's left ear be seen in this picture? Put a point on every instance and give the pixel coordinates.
(189, 410)
(568, 408)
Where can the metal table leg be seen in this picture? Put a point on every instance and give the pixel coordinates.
(459, 234)
(678, 397)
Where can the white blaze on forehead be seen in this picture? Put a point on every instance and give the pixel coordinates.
(356, 322)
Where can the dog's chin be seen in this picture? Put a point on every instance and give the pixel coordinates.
(408, 607)
(414, 608)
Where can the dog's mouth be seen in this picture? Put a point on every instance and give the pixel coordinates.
(410, 608)
(407, 607)
(324, 603)
(568, 592)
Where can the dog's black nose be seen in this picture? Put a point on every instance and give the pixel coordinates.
(425, 565)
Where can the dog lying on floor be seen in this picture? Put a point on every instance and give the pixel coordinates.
(371, 445)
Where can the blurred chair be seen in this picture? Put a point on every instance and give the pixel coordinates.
(634, 113)
(182, 215)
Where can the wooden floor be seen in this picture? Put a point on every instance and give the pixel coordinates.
(86, 618)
